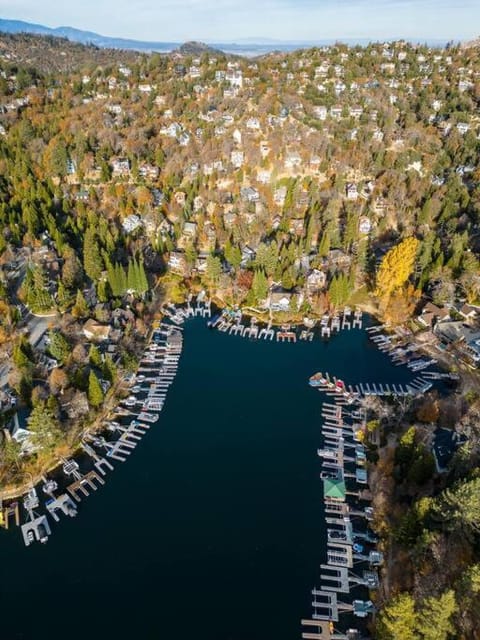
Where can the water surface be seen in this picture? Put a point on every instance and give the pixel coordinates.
(213, 529)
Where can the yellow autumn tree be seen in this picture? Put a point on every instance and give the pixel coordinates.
(396, 267)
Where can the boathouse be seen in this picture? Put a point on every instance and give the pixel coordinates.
(334, 489)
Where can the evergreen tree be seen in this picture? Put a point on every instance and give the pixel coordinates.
(95, 357)
(214, 269)
(95, 391)
(458, 507)
(324, 246)
(109, 370)
(259, 285)
(92, 260)
(44, 427)
(434, 619)
(142, 278)
(59, 347)
(80, 308)
(398, 620)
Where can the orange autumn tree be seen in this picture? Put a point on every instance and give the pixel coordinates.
(392, 287)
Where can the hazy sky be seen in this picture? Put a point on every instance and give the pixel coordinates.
(227, 20)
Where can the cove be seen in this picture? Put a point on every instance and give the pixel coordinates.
(213, 529)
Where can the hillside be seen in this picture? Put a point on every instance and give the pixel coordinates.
(49, 54)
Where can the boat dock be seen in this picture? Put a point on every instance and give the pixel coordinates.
(351, 556)
(231, 321)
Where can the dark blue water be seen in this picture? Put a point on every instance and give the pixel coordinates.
(213, 528)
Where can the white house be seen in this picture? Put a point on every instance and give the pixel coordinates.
(131, 223)
(237, 159)
(351, 191)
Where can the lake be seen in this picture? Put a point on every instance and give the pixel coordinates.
(213, 529)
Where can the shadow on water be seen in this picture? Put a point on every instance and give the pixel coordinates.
(213, 528)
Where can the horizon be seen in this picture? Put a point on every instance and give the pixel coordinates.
(222, 21)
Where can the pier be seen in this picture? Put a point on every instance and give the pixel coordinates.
(345, 490)
(36, 528)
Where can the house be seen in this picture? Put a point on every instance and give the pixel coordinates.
(279, 300)
(172, 131)
(463, 127)
(431, 314)
(121, 167)
(356, 112)
(351, 191)
(177, 263)
(93, 330)
(468, 312)
(201, 264)
(264, 176)
(320, 112)
(237, 136)
(148, 171)
(253, 123)
(264, 149)
(183, 139)
(249, 194)
(293, 160)
(235, 78)
(276, 222)
(115, 109)
(71, 167)
(237, 159)
(445, 443)
(364, 225)
(248, 254)
(24, 439)
(316, 280)
(229, 218)
(198, 203)
(180, 197)
(279, 196)
(338, 258)
(190, 229)
(296, 225)
(336, 112)
(131, 223)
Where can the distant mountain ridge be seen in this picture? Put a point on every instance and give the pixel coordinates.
(84, 37)
(244, 46)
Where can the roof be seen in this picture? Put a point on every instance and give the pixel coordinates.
(445, 443)
(334, 489)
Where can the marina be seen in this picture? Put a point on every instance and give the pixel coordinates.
(192, 501)
(352, 559)
(233, 322)
(148, 391)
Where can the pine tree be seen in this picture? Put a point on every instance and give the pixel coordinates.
(59, 347)
(324, 246)
(214, 269)
(259, 285)
(95, 391)
(109, 370)
(44, 427)
(132, 280)
(458, 507)
(92, 260)
(434, 619)
(95, 357)
(80, 308)
(142, 278)
(398, 620)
